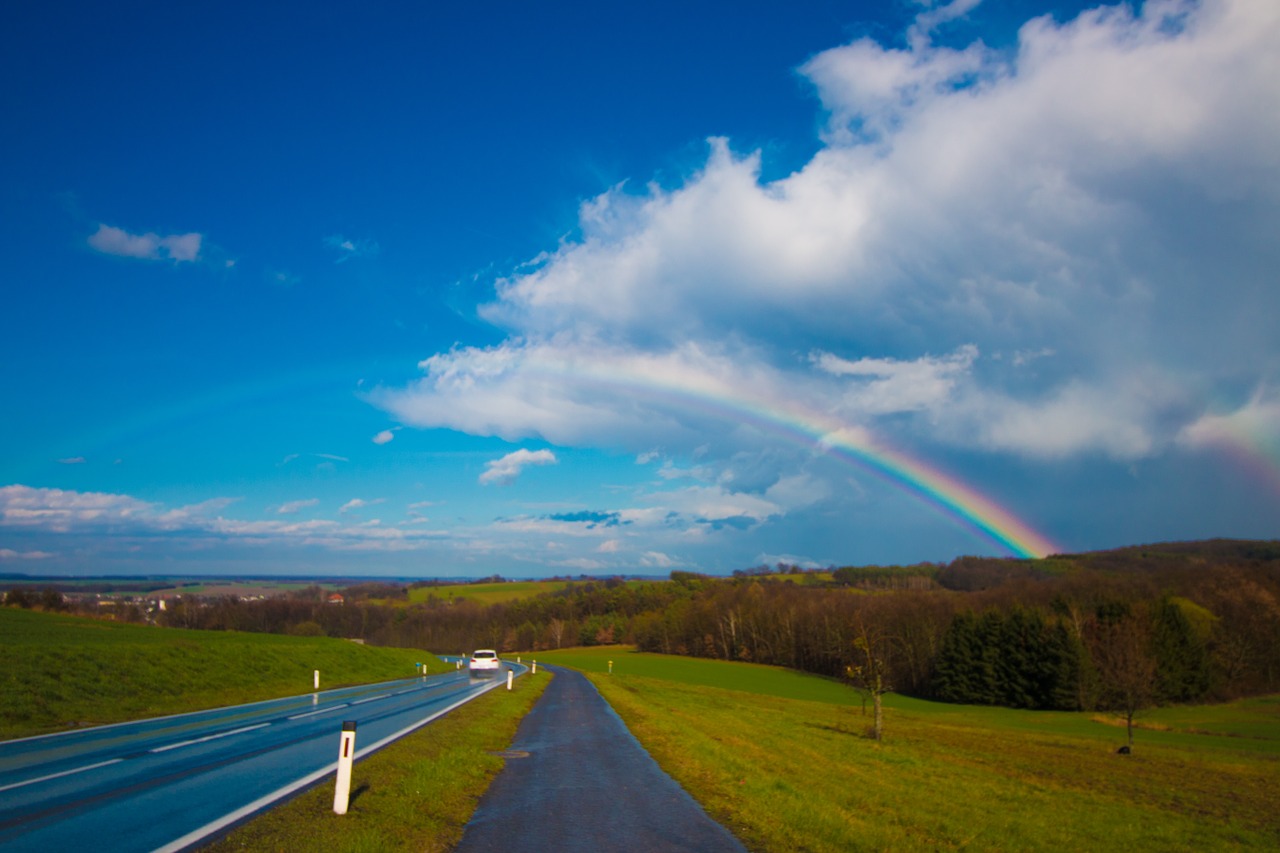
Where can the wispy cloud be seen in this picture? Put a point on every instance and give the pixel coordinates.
(294, 506)
(506, 470)
(72, 460)
(328, 457)
(359, 503)
(386, 435)
(119, 521)
(348, 249)
(150, 246)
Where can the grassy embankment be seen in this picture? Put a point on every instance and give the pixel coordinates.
(63, 671)
(783, 760)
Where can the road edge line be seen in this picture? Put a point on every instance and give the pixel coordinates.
(262, 802)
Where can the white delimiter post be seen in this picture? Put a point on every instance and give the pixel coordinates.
(535, 667)
(346, 755)
(510, 677)
(317, 679)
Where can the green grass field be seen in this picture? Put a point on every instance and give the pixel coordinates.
(64, 671)
(783, 760)
(485, 593)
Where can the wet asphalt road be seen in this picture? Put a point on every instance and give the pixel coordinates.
(586, 785)
(167, 783)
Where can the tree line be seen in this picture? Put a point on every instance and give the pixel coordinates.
(1120, 630)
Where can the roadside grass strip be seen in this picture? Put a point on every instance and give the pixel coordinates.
(416, 794)
(785, 773)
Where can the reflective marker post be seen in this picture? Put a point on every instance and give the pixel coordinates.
(317, 679)
(346, 755)
(510, 677)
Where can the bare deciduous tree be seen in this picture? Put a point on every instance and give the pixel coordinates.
(1126, 666)
(869, 671)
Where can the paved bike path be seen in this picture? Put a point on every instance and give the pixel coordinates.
(586, 785)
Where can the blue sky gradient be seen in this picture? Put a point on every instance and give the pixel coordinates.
(413, 289)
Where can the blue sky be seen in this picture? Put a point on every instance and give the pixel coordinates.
(563, 288)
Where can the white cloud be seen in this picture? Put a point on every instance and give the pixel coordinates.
(124, 522)
(61, 511)
(72, 460)
(1107, 193)
(10, 554)
(656, 560)
(385, 436)
(359, 503)
(290, 507)
(1255, 425)
(348, 249)
(1075, 419)
(887, 385)
(504, 471)
(150, 246)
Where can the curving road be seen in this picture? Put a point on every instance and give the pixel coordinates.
(165, 784)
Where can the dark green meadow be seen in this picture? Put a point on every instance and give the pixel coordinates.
(63, 671)
(785, 761)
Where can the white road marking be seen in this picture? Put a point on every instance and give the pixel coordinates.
(209, 738)
(63, 773)
(371, 699)
(321, 711)
(257, 805)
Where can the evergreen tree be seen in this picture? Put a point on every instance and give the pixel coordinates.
(1182, 661)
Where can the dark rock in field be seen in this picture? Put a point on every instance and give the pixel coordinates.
(1124, 750)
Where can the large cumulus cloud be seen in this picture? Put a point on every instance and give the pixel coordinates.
(1059, 250)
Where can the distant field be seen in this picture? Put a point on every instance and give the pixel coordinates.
(784, 761)
(214, 588)
(166, 586)
(485, 593)
(65, 671)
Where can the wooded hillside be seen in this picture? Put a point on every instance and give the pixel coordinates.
(1174, 622)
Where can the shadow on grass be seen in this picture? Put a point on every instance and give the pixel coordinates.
(866, 733)
(356, 792)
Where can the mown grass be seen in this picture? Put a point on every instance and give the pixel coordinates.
(797, 771)
(485, 593)
(490, 593)
(415, 795)
(64, 671)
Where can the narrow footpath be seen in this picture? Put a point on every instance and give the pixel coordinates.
(577, 781)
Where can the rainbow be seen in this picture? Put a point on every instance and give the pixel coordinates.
(695, 392)
(926, 482)
(698, 392)
(1250, 440)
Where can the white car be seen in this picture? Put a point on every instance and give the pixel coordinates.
(484, 662)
